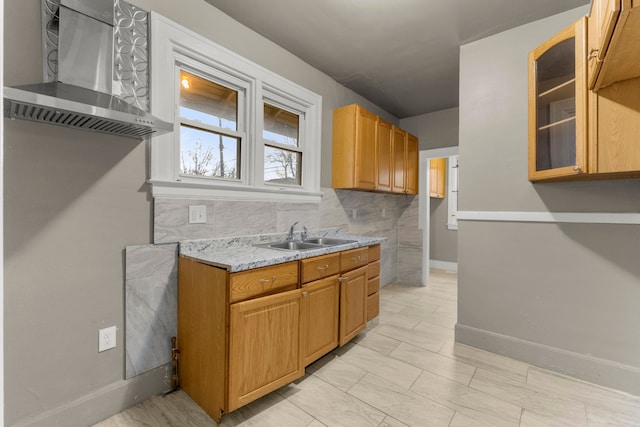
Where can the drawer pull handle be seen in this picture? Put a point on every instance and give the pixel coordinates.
(323, 268)
(356, 259)
(263, 281)
(305, 294)
(343, 279)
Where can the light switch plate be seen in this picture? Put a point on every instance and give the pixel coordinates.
(197, 214)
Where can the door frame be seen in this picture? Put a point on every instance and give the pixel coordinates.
(424, 202)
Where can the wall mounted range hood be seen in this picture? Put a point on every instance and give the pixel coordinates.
(82, 95)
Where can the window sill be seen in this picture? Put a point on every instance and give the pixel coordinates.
(182, 190)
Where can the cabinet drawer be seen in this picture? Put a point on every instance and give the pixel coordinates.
(373, 269)
(263, 281)
(374, 253)
(373, 285)
(353, 259)
(373, 306)
(319, 267)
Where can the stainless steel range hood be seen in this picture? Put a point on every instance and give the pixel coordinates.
(82, 95)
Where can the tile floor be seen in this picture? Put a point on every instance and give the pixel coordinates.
(406, 370)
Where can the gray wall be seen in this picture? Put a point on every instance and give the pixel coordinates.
(438, 130)
(559, 295)
(73, 201)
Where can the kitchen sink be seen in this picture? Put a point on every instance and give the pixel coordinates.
(306, 245)
(291, 246)
(328, 241)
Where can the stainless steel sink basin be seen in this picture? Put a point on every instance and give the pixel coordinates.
(328, 241)
(306, 245)
(291, 246)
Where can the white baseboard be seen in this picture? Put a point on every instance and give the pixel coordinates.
(599, 371)
(443, 265)
(104, 402)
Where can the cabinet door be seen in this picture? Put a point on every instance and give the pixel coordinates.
(412, 165)
(437, 177)
(264, 346)
(320, 313)
(601, 22)
(558, 106)
(365, 149)
(384, 134)
(399, 142)
(353, 304)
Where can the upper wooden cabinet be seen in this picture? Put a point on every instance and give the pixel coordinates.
(372, 154)
(576, 133)
(437, 177)
(614, 42)
(558, 106)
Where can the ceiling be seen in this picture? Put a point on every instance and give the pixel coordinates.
(402, 55)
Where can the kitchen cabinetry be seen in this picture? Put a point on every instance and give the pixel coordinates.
(242, 335)
(558, 106)
(437, 177)
(575, 133)
(613, 47)
(224, 364)
(373, 282)
(321, 305)
(371, 154)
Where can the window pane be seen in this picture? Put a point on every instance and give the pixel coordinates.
(280, 126)
(209, 154)
(208, 102)
(282, 166)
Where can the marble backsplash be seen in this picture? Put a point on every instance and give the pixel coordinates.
(151, 277)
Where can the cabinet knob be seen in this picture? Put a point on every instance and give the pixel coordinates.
(305, 294)
(577, 168)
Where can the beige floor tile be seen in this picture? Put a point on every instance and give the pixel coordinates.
(402, 404)
(505, 366)
(436, 363)
(604, 406)
(565, 411)
(271, 410)
(377, 342)
(436, 331)
(391, 422)
(470, 402)
(339, 373)
(532, 419)
(179, 403)
(329, 405)
(418, 338)
(396, 371)
(461, 420)
(446, 320)
(316, 423)
(397, 319)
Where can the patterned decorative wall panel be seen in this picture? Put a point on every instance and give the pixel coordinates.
(130, 49)
(131, 53)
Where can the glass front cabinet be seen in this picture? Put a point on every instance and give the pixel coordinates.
(558, 136)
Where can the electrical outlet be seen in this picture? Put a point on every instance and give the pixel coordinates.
(197, 214)
(106, 338)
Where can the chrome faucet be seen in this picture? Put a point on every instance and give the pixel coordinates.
(305, 233)
(290, 235)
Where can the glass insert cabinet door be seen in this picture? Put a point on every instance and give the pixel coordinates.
(558, 106)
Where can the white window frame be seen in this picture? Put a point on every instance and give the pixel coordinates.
(174, 46)
(453, 163)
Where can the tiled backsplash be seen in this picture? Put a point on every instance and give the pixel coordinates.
(151, 285)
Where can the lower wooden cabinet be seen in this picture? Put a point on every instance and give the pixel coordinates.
(242, 335)
(264, 346)
(353, 304)
(320, 311)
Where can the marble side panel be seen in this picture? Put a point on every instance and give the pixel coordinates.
(151, 306)
(409, 264)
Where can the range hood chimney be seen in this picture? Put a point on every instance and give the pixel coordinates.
(82, 95)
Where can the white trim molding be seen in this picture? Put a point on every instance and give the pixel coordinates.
(552, 217)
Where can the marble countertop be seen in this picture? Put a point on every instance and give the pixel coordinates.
(240, 253)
